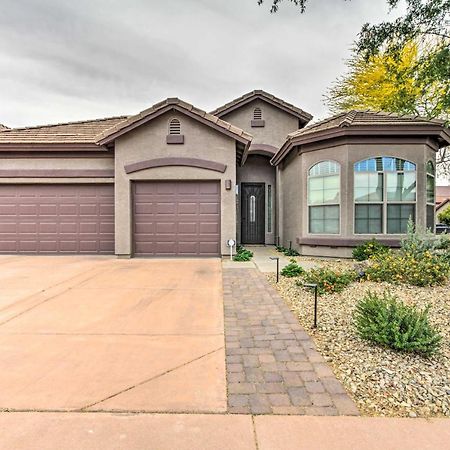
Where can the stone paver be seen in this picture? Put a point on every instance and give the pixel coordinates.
(272, 363)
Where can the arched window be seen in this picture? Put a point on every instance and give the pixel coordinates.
(384, 195)
(431, 196)
(324, 198)
(257, 114)
(174, 126)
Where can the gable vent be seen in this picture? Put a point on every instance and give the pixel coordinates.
(257, 120)
(174, 126)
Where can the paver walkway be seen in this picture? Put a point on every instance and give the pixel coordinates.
(272, 363)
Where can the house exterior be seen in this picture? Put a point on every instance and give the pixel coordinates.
(174, 180)
(442, 200)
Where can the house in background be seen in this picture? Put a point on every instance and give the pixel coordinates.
(442, 200)
(174, 180)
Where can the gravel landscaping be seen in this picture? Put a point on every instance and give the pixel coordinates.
(382, 382)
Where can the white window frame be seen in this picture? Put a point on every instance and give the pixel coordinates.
(384, 203)
(323, 204)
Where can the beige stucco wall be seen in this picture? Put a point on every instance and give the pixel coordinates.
(148, 142)
(293, 181)
(73, 163)
(257, 169)
(55, 163)
(278, 123)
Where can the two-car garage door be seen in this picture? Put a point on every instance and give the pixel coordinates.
(57, 218)
(176, 218)
(170, 218)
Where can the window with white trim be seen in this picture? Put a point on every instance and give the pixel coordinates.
(174, 126)
(384, 195)
(324, 198)
(431, 196)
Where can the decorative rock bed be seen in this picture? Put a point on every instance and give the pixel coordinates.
(383, 382)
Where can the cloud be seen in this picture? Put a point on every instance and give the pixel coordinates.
(64, 60)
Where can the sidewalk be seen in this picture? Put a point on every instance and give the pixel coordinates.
(101, 431)
(261, 260)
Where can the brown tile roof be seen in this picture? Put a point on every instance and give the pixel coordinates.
(83, 132)
(368, 117)
(167, 105)
(370, 123)
(260, 94)
(442, 193)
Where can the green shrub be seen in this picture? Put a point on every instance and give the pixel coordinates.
(292, 269)
(242, 254)
(328, 281)
(287, 251)
(427, 269)
(444, 216)
(417, 242)
(368, 249)
(386, 321)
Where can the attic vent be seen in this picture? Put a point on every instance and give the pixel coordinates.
(175, 136)
(257, 118)
(174, 126)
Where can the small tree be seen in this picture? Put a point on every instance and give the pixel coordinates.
(444, 216)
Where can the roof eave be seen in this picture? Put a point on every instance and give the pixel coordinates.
(427, 129)
(223, 110)
(115, 132)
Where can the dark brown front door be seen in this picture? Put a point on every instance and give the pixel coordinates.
(176, 218)
(253, 213)
(57, 218)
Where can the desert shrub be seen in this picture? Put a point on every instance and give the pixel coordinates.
(292, 269)
(242, 254)
(329, 281)
(387, 321)
(444, 216)
(427, 269)
(417, 242)
(288, 251)
(368, 249)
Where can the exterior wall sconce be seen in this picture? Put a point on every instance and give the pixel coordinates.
(228, 185)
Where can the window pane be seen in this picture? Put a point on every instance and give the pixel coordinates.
(368, 187)
(324, 168)
(324, 219)
(430, 217)
(401, 186)
(430, 189)
(398, 216)
(368, 219)
(269, 208)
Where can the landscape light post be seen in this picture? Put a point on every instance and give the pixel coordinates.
(313, 286)
(278, 265)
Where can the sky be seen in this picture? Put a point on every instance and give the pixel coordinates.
(64, 60)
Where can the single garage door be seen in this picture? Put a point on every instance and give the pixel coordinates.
(57, 218)
(177, 218)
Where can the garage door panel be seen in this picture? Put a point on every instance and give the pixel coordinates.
(57, 219)
(168, 218)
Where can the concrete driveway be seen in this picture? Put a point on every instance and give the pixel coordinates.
(102, 334)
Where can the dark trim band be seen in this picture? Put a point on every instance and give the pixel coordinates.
(166, 162)
(56, 173)
(349, 242)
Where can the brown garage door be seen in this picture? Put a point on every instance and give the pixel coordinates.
(177, 218)
(57, 219)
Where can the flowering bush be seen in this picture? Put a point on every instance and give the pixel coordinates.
(426, 269)
(368, 249)
(328, 281)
